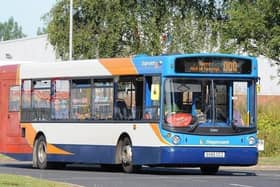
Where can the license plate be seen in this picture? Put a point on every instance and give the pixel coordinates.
(261, 145)
(214, 154)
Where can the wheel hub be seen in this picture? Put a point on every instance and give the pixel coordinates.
(42, 152)
(126, 154)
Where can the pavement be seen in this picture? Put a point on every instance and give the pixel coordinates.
(258, 167)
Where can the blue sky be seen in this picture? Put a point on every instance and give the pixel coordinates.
(27, 13)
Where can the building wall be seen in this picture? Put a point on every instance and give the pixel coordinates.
(28, 49)
(269, 77)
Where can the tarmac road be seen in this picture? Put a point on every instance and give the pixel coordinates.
(94, 176)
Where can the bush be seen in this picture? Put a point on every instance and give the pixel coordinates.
(269, 130)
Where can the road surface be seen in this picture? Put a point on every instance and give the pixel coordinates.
(94, 176)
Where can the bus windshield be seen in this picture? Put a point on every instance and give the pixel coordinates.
(193, 105)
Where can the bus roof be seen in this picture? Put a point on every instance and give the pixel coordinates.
(140, 64)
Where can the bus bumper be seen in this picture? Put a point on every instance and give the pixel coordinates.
(196, 156)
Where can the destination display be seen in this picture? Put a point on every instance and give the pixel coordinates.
(212, 65)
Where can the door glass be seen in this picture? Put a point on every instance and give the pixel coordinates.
(240, 110)
(14, 99)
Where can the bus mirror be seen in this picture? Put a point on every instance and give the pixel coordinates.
(258, 87)
(155, 92)
(247, 121)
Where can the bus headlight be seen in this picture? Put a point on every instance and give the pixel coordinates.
(252, 140)
(176, 139)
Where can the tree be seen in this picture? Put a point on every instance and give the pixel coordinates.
(99, 28)
(10, 30)
(41, 30)
(127, 27)
(253, 27)
(197, 25)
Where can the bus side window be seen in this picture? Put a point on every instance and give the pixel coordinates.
(130, 91)
(125, 103)
(14, 99)
(26, 111)
(60, 99)
(80, 99)
(152, 98)
(40, 101)
(102, 99)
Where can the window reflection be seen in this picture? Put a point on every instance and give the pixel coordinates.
(14, 99)
(80, 99)
(60, 99)
(102, 99)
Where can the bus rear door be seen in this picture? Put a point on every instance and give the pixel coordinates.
(11, 140)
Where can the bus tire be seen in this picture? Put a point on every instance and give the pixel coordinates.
(125, 155)
(34, 153)
(209, 170)
(41, 153)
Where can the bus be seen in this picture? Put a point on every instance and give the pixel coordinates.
(196, 110)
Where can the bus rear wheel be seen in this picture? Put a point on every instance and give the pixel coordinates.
(40, 153)
(209, 170)
(125, 156)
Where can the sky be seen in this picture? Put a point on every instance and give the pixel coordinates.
(27, 13)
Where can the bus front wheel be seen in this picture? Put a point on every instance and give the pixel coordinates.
(125, 155)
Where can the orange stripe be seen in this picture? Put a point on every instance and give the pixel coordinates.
(119, 66)
(156, 130)
(55, 150)
(18, 75)
(30, 134)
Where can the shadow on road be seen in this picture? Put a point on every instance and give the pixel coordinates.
(143, 171)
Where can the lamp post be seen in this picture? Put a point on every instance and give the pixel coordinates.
(70, 30)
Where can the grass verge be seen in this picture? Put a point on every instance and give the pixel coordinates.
(275, 161)
(3, 157)
(25, 181)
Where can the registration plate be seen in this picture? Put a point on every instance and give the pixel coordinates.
(214, 154)
(261, 145)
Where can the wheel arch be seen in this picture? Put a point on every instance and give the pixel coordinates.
(124, 134)
(40, 133)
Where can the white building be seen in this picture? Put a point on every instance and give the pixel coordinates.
(28, 49)
(270, 77)
(38, 49)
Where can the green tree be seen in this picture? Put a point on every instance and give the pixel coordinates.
(253, 27)
(41, 30)
(10, 30)
(126, 27)
(98, 28)
(196, 26)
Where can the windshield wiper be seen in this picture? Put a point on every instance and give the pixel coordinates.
(195, 124)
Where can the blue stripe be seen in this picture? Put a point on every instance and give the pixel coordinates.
(154, 155)
(20, 157)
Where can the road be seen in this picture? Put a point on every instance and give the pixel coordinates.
(157, 177)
